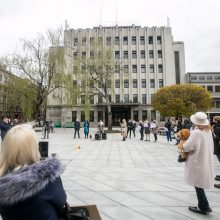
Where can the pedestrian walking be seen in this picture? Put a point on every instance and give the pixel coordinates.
(77, 128)
(198, 170)
(154, 129)
(46, 129)
(123, 129)
(86, 128)
(216, 138)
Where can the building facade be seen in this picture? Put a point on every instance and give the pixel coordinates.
(151, 59)
(210, 81)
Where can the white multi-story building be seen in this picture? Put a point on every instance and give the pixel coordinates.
(151, 59)
(210, 81)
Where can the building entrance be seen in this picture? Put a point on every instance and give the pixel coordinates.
(119, 113)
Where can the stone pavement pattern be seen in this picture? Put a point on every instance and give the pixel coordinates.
(128, 180)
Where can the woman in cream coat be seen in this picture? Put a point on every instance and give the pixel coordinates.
(199, 163)
(123, 129)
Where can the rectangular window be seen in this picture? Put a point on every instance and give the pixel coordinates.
(133, 40)
(74, 116)
(210, 88)
(142, 40)
(150, 39)
(100, 40)
(151, 54)
(75, 55)
(117, 83)
(144, 115)
(117, 68)
(91, 99)
(126, 83)
(108, 40)
(142, 54)
(160, 68)
(143, 68)
(82, 116)
(100, 99)
(84, 41)
(75, 40)
(143, 83)
(159, 53)
(92, 55)
(125, 40)
(151, 68)
(91, 116)
(92, 40)
(159, 41)
(135, 98)
(116, 40)
(125, 54)
(217, 88)
(134, 54)
(75, 69)
(217, 104)
(117, 55)
(201, 77)
(152, 97)
(208, 77)
(117, 98)
(152, 83)
(134, 83)
(144, 99)
(135, 116)
(160, 83)
(126, 98)
(100, 115)
(83, 55)
(83, 99)
(126, 69)
(134, 68)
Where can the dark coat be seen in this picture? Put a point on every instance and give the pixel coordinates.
(77, 125)
(4, 129)
(216, 138)
(33, 192)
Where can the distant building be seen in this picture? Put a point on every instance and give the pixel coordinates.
(151, 58)
(210, 81)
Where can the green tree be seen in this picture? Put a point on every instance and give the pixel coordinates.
(42, 66)
(182, 100)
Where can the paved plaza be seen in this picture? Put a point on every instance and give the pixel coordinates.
(128, 180)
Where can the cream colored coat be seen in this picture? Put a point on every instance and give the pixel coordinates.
(199, 164)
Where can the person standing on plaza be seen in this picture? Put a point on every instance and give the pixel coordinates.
(216, 138)
(4, 126)
(154, 129)
(100, 128)
(86, 128)
(46, 130)
(198, 170)
(147, 129)
(30, 188)
(77, 128)
(51, 126)
(134, 127)
(129, 128)
(168, 126)
(124, 129)
(141, 128)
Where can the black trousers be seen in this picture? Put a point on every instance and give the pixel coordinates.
(202, 200)
(75, 133)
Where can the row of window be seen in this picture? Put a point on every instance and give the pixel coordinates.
(204, 77)
(213, 88)
(125, 40)
(134, 54)
(135, 83)
(125, 68)
(118, 99)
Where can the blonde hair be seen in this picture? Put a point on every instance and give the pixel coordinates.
(204, 127)
(19, 147)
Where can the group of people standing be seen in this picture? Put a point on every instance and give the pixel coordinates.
(145, 128)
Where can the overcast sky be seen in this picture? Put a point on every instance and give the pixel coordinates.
(195, 22)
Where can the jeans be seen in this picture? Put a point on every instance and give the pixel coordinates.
(202, 200)
(75, 133)
(168, 133)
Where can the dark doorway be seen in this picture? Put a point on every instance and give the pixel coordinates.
(119, 113)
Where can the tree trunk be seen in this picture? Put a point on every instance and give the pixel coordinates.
(109, 116)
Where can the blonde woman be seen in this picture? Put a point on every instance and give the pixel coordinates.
(123, 129)
(199, 164)
(30, 188)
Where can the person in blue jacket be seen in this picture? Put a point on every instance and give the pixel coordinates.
(86, 129)
(30, 188)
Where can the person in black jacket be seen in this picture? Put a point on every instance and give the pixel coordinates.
(30, 188)
(216, 138)
(4, 126)
(129, 128)
(77, 128)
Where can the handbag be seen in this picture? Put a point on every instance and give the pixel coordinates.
(73, 213)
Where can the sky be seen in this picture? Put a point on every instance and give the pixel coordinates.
(195, 22)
